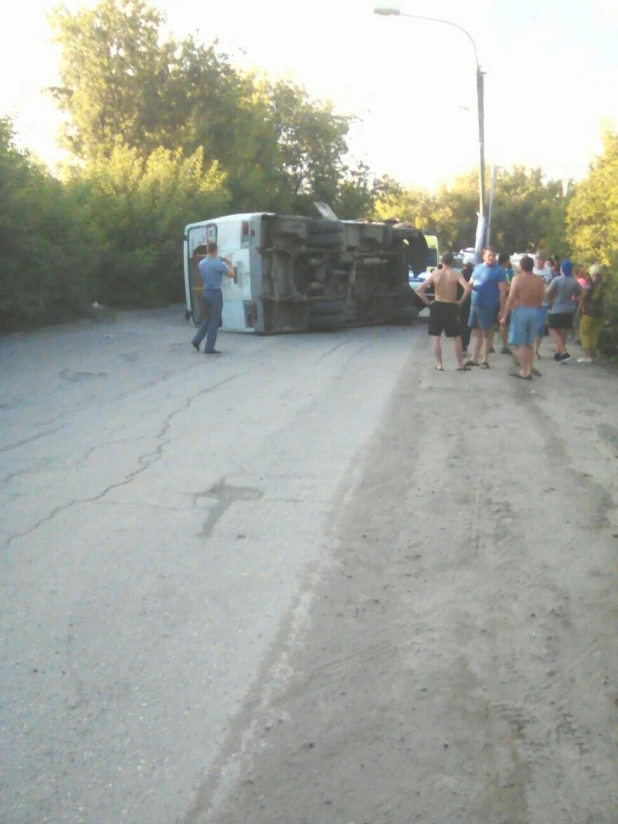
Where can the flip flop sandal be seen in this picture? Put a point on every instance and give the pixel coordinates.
(485, 365)
(438, 369)
(521, 377)
(464, 369)
(470, 363)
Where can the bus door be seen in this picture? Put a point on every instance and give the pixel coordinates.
(197, 238)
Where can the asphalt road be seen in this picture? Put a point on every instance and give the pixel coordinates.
(310, 581)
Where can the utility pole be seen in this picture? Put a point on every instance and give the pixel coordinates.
(393, 11)
(480, 95)
(492, 190)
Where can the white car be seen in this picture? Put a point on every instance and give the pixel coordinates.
(416, 280)
(517, 256)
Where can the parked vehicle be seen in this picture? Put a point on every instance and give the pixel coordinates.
(516, 259)
(296, 273)
(415, 280)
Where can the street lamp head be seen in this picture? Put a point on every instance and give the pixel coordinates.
(387, 11)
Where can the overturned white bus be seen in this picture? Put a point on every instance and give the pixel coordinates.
(295, 274)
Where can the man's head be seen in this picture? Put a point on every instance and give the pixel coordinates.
(504, 260)
(595, 272)
(540, 259)
(448, 258)
(566, 267)
(489, 256)
(526, 264)
(212, 248)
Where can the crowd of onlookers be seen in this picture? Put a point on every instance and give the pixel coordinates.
(577, 321)
(540, 296)
(578, 318)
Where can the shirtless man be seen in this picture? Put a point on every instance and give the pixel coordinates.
(524, 304)
(444, 310)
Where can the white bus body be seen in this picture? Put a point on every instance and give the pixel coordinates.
(296, 273)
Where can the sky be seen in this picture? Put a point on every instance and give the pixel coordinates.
(551, 74)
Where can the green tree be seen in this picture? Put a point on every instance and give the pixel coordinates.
(592, 222)
(311, 140)
(120, 80)
(528, 211)
(110, 68)
(593, 211)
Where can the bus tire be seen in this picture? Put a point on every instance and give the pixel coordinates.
(334, 240)
(326, 227)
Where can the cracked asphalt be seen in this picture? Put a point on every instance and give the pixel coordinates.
(310, 582)
(159, 513)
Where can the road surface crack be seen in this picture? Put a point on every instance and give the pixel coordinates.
(36, 437)
(145, 462)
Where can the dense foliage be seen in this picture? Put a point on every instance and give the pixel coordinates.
(592, 220)
(529, 212)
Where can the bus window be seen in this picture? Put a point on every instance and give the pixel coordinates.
(245, 238)
(432, 258)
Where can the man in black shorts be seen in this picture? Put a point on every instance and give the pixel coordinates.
(444, 310)
(560, 293)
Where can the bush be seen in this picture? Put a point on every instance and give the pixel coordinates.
(608, 339)
(137, 210)
(112, 232)
(46, 269)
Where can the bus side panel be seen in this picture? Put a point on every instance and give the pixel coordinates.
(256, 228)
(237, 292)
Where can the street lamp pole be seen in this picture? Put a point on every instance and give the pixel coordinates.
(388, 11)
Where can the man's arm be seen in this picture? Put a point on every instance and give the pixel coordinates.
(467, 288)
(504, 291)
(230, 268)
(507, 307)
(421, 289)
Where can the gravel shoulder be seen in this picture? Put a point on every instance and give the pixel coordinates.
(455, 659)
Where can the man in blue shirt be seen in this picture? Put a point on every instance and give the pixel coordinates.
(489, 290)
(212, 269)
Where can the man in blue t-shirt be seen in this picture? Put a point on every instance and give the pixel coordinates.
(489, 289)
(212, 269)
